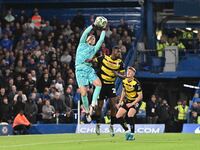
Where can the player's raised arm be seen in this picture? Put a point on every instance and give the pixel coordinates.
(100, 41)
(101, 23)
(85, 34)
(121, 72)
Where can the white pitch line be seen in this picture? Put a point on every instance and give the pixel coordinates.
(60, 142)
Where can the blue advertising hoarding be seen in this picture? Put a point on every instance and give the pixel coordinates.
(191, 128)
(5, 129)
(150, 128)
(104, 128)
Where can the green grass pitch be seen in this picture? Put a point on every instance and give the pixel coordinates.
(102, 142)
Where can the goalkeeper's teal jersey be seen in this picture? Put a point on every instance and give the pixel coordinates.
(86, 51)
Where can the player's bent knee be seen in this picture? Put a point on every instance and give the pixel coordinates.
(83, 92)
(118, 116)
(131, 115)
(97, 82)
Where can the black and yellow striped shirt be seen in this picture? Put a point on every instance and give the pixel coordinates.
(106, 66)
(131, 89)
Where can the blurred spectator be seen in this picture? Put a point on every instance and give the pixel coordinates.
(36, 19)
(66, 57)
(123, 25)
(45, 95)
(47, 28)
(164, 115)
(20, 124)
(69, 115)
(127, 42)
(114, 37)
(31, 108)
(141, 115)
(67, 31)
(104, 49)
(6, 43)
(2, 94)
(19, 82)
(19, 103)
(107, 117)
(69, 96)
(122, 47)
(40, 104)
(12, 94)
(20, 68)
(20, 96)
(78, 21)
(9, 17)
(31, 84)
(5, 111)
(58, 104)
(182, 112)
(161, 45)
(43, 82)
(195, 113)
(48, 112)
(108, 32)
(10, 84)
(152, 110)
(33, 75)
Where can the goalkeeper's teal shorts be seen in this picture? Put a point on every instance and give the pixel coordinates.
(85, 74)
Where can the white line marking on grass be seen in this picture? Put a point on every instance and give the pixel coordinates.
(59, 142)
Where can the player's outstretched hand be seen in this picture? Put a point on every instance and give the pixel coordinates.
(100, 23)
(119, 74)
(89, 60)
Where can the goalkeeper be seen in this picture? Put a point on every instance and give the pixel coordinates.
(85, 74)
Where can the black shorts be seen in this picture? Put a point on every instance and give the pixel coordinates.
(136, 107)
(107, 91)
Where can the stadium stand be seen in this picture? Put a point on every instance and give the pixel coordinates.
(37, 53)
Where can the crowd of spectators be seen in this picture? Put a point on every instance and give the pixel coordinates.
(154, 60)
(159, 111)
(37, 64)
(195, 109)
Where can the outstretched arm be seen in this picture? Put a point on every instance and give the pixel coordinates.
(85, 34)
(100, 41)
(119, 74)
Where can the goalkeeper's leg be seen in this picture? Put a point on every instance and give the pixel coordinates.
(85, 102)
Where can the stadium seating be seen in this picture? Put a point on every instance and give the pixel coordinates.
(190, 62)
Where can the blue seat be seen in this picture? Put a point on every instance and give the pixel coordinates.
(196, 99)
(156, 64)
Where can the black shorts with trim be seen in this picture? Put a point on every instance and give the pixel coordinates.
(136, 106)
(107, 91)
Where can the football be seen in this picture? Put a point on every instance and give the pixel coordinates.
(101, 22)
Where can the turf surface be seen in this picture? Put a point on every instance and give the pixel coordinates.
(102, 142)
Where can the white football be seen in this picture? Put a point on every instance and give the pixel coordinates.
(101, 21)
